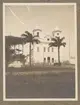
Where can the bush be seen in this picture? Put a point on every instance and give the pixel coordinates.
(66, 62)
(57, 64)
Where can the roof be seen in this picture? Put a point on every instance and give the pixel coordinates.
(56, 30)
(37, 30)
(12, 40)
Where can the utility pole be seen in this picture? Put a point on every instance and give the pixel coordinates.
(69, 48)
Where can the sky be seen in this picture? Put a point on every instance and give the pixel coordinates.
(19, 18)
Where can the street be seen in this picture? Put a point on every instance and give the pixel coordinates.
(51, 85)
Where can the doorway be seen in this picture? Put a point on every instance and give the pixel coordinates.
(48, 59)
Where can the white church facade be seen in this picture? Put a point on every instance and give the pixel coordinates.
(42, 53)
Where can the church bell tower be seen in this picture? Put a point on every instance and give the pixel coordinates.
(56, 32)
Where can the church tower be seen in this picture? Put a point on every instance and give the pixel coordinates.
(37, 32)
(56, 32)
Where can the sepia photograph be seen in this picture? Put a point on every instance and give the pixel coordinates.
(40, 52)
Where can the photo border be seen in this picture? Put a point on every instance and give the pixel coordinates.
(76, 72)
(1, 54)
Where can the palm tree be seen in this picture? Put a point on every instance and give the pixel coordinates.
(31, 40)
(57, 42)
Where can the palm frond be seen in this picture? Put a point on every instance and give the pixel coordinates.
(28, 33)
(62, 39)
(24, 35)
(54, 39)
(52, 44)
(35, 36)
(35, 41)
(59, 41)
(63, 44)
(30, 38)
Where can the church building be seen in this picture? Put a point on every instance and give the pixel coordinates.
(42, 53)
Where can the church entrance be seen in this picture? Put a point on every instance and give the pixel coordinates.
(52, 60)
(44, 60)
(48, 59)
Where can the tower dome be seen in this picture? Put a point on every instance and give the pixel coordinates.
(37, 31)
(56, 32)
(56, 28)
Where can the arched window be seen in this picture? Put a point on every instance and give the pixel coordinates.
(44, 60)
(48, 49)
(48, 59)
(38, 34)
(37, 49)
(52, 49)
(58, 33)
(44, 49)
(52, 60)
(47, 39)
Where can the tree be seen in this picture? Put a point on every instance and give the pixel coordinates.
(10, 54)
(30, 39)
(58, 42)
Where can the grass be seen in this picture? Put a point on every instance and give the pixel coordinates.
(41, 68)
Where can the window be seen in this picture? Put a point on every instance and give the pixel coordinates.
(48, 39)
(44, 49)
(44, 60)
(48, 59)
(37, 49)
(52, 60)
(38, 34)
(57, 33)
(52, 49)
(48, 49)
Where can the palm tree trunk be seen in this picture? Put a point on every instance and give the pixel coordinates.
(18, 48)
(30, 54)
(59, 55)
(14, 50)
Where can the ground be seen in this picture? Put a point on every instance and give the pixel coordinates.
(36, 84)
